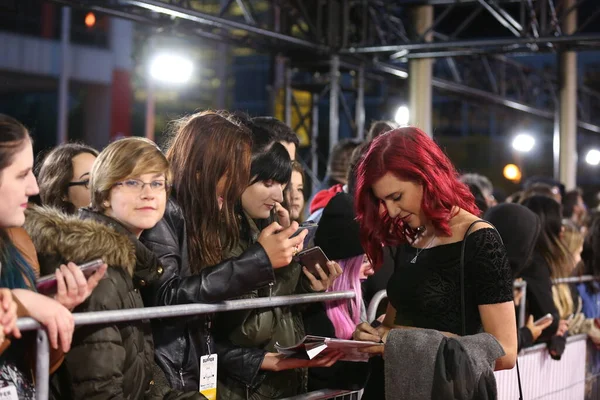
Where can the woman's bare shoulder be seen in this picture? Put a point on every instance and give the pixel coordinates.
(463, 220)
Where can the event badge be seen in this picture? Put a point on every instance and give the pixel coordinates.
(208, 376)
(9, 393)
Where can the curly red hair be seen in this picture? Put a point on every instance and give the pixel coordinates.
(411, 155)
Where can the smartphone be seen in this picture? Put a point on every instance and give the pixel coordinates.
(312, 230)
(309, 258)
(545, 318)
(47, 284)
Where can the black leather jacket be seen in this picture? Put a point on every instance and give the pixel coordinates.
(180, 342)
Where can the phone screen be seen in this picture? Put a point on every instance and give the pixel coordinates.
(311, 257)
(47, 284)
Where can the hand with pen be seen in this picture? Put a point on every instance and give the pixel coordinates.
(365, 332)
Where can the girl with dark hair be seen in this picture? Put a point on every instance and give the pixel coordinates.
(278, 131)
(295, 193)
(547, 263)
(261, 372)
(19, 260)
(210, 162)
(64, 177)
(408, 195)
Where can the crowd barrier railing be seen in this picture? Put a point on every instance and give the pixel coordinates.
(576, 279)
(327, 394)
(545, 378)
(103, 317)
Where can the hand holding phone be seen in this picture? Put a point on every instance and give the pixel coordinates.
(311, 228)
(322, 277)
(277, 243)
(72, 284)
(543, 320)
(309, 258)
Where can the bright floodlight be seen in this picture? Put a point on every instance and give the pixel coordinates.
(402, 116)
(523, 143)
(593, 157)
(171, 68)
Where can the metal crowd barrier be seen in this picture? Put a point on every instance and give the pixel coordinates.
(374, 304)
(521, 285)
(328, 394)
(576, 279)
(545, 378)
(136, 314)
(382, 294)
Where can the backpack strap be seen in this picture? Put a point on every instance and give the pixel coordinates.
(462, 276)
(462, 292)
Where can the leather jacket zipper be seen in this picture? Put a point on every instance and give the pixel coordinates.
(181, 377)
(270, 290)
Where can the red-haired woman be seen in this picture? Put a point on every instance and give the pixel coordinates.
(408, 195)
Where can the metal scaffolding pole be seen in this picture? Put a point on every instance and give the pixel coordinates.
(510, 44)
(149, 124)
(218, 22)
(314, 157)
(63, 79)
(150, 110)
(334, 93)
(222, 50)
(288, 94)
(567, 79)
(360, 102)
(420, 74)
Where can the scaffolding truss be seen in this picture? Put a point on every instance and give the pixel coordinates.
(380, 36)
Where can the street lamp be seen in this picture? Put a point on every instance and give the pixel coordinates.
(523, 143)
(402, 116)
(593, 157)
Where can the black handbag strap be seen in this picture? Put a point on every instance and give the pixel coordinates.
(462, 292)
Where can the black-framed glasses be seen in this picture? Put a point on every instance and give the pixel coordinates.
(85, 183)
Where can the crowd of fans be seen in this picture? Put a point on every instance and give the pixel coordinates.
(213, 217)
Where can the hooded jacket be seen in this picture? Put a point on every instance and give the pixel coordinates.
(322, 198)
(115, 360)
(519, 228)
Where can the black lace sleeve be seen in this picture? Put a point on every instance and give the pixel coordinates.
(488, 267)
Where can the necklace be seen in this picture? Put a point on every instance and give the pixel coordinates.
(419, 250)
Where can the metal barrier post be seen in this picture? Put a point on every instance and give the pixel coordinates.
(42, 366)
(522, 308)
(374, 304)
(522, 286)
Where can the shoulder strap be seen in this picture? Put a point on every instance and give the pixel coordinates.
(462, 277)
(462, 292)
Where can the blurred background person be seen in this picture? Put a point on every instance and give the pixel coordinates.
(295, 193)
(64, 177)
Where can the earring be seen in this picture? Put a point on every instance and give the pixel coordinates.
(106, 204)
